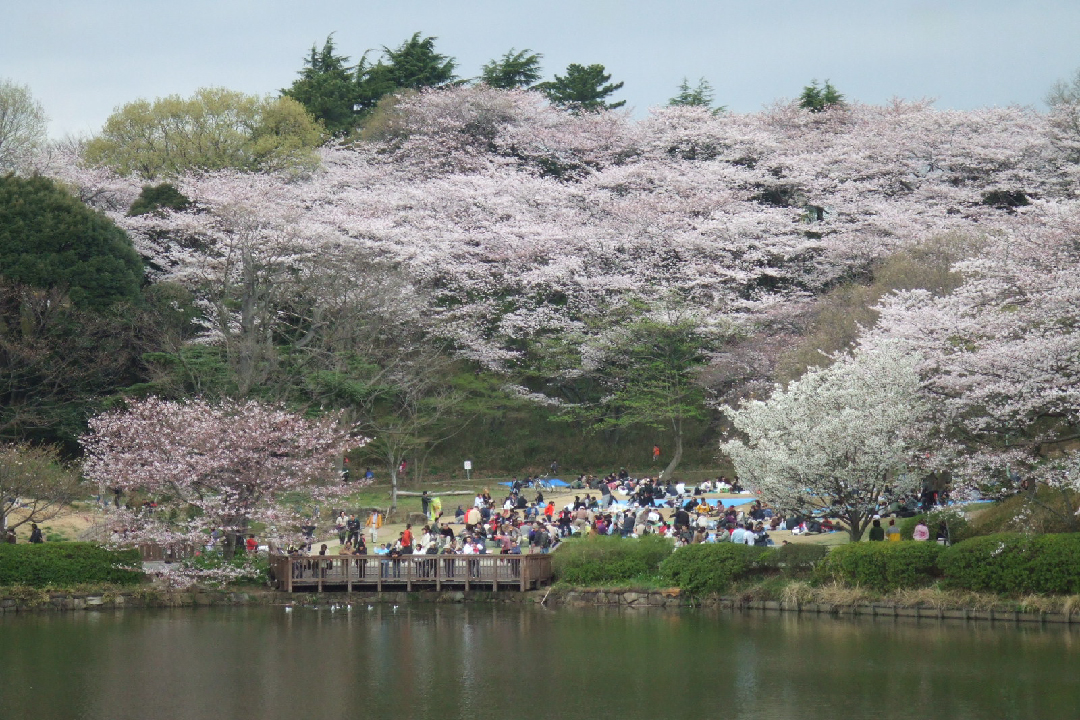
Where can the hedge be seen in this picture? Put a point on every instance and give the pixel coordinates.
(67, 564)
(602, 559)
(882, 566)
(709, 567)
(1014, 563)
(793, 559)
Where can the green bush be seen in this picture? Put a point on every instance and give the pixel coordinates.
(67, 564)
(959, 527)
(882, 566)
(602, 559)
(794, 559)
(1012, 563)
(709, 567)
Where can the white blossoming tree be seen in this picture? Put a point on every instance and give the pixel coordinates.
(840, 439)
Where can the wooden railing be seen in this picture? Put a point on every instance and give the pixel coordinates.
(379, 572)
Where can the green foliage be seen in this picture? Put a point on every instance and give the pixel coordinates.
(215, 129)
(159, 197)
(582, 89)
(414, 64)
(49, 239)
(793, 560)
(700, 96)
(607, 559)
(23, 126)
(67, 564)
(709, 567)
(819, 98)
(1015, 564)
(882, 566)
(959, 527)
(513, 70)
(327, 89)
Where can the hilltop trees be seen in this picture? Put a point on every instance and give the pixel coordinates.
(584, 88)
(819, 98)
(22, 126)
(327, 88)
(513, 70)
(699, 96)
(214, 129)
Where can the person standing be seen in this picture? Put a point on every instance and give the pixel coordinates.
(35, 534)
(342, 527)
(921, 532)
(352, 525)
(655, 453)
(877, 533)
(892, 533)
(373, 523)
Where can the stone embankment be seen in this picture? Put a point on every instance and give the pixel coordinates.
(32, 600)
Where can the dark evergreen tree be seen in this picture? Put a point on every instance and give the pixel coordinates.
(49, 239)
(415, 64)
(159, 197)
(327, 88)
(700, 96)
(819, 98)
(582, 89)
(512, 70)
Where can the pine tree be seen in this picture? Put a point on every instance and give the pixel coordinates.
(512, 70)
(819, 98)
(582, 89)
(700, 96)
(327, 88)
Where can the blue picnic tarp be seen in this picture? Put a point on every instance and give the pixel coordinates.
(553, 482)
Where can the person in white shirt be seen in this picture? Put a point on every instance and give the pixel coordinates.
(738, 534)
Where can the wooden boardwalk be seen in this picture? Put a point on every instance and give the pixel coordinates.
(410, 572)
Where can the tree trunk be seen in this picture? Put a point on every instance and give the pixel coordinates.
(677, 456)
(393, 492)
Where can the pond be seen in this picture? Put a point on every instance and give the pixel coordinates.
(499, 661)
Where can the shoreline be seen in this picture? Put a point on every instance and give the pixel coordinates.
(24, 600)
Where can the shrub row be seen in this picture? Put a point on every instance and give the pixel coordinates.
(882, 566)
(697, 569)
(1012, 563)
(601, 559)
(67, 564)
(1006, 563)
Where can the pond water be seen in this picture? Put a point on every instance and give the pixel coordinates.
(482, 661)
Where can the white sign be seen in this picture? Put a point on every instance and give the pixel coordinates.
(468, 464)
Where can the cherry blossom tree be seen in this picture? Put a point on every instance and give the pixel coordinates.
(1002, 354)
(507, 224)
(841, 439)
(222, 466)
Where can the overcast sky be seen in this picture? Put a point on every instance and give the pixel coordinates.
(82, 59)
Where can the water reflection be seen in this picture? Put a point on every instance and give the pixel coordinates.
(486, 661)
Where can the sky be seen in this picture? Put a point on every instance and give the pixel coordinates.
(83, 59)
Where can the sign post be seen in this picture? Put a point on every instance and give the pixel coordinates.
(468, 469)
